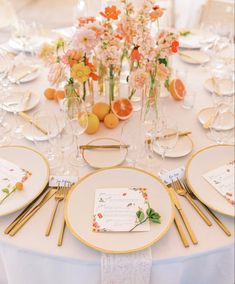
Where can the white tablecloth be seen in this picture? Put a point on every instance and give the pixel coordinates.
(31, 258)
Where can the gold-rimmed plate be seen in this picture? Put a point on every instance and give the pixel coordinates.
(33, 161)
(79, 210)
(202, 162)
(104, 158)
(183, 147)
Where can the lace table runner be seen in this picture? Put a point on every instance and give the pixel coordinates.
(129, 268)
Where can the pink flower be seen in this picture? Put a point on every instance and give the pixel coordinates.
(163, 71)
(139, 78)
(56, 74)
(84, 40)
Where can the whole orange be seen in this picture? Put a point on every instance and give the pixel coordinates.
(49, 93)
(111, 121)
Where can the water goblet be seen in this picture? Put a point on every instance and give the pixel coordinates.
(47, 143)
(166, 136)
(78, 117)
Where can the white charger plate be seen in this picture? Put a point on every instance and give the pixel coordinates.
(14, 97)
(194, 57)
(30, 160)
(202, 162)
(183, 147)
(104, 158)
(225, 86)
(206, 113)
(79, 210)
(32, 44)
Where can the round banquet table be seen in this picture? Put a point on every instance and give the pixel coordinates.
(31, 258)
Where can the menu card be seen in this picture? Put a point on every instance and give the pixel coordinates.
(115, 209)
(222, 179)
(10, 174)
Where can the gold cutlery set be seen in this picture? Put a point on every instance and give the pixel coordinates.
(60, 194)
(182, 189)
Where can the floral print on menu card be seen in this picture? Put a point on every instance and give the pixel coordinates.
(115, 209)
(222, 179)
(10, 175)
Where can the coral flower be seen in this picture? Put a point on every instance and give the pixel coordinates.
(156, 13)
(71, 57)
(82, 21)
(135, 54)
(111, 13)
(80, 72)
(174, 46)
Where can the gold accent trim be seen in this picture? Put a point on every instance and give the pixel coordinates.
(163, 233)
(176, 157)
(44, 184)
(110, 139)
(189, 183)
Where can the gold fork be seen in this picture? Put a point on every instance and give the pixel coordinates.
(215, 218)
(59, 196)
(61, 235)
(179, 188)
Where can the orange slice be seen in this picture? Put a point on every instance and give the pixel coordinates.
(122, 108)
(177, 89)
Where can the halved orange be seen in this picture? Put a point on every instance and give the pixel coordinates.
(122, 108)
(177, 89)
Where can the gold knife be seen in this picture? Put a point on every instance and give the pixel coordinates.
(85, 147)
(19, 225)
(182, 133)
(183, 216)
(30, 120)
(178, 226)
(23, 213)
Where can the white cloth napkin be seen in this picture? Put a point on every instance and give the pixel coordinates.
(131, 268)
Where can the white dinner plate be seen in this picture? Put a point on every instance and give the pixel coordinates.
(27, 73)
(104, 158)
(228, 118)
(31, 133)
(79, 210)
(202, 162)
(30, 160)
(195, 39)
(194, 57)
(183, 147)
(16, 98)
(221, 86)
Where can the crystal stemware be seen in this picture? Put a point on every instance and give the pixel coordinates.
(47, 143)
(78, 117)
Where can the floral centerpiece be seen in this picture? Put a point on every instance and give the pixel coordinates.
(97, 50)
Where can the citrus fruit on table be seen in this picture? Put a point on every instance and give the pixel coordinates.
(177, 89)
(111, 121)
(49, 93)
(93, 124)
(59, 94)
(101, 109)
(122, 108)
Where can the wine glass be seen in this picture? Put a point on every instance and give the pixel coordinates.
(66, 140)
(166, 135)
(130, 135)
(78, 117)
(221, 129)
(47, 142)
